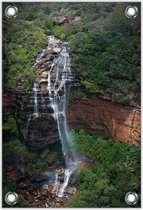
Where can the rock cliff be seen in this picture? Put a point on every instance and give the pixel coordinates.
(100, 116)
(97, 115)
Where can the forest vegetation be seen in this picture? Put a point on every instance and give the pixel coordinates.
(105, 53)
(105, 46)
(114, 171)
(115, 166)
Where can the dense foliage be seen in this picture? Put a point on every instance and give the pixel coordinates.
(105, 45)
(33, 162)
(115, 171)
(106, 52)
(22, 41)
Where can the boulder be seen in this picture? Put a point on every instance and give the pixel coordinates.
(61, 19)
(57, 50)
(43, 81)
(71, 190)
(39, 178)
(53, 41)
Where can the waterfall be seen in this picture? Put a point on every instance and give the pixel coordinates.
(58, 87)
(40, 56)
(35, 90)
(58, 81)
(66, 181)
(28, 122)
(58, 78)
(34, 99)
(43, 103)
(55, 187)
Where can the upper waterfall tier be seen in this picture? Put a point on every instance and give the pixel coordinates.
(58, 84)
(42, 116)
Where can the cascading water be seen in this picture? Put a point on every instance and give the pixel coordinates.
(68, 173)
(58, 78)
(28, 122)
(43, 103)
(35, 90)
(40, 56)
(35, 98)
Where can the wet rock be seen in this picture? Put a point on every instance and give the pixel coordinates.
(24, 183)
(42, 54)
(56, 50)
(53, 41)
(43, 80)
(42, 131)
(70, 190)
(51, 176)
(39, 178)
(47, 205)
(15, 167)
(52, 158)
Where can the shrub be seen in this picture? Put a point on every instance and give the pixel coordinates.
(75, 95)
(117, 167)
(40, 166)
(10, 126)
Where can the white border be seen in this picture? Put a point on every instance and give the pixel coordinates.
(105, 1)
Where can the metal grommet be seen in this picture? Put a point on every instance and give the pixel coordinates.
(131, 11)
(131, 198)
(11, 198)
(11, 11)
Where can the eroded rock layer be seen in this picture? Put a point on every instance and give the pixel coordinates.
(100, 116)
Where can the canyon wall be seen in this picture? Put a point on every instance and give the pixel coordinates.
(100, 116)
(9, 103)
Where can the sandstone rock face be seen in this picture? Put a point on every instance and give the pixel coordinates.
(100, 116)
(42, 131)
(35, 116)
(97, 115)
(9, 103)
(37, 129)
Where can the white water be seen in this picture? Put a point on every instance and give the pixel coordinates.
(40, 56)
(57, 88)
(58, 78)
(55, 187)
(28, 122)
(35, 90)
(66, 181)
(43, 104)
